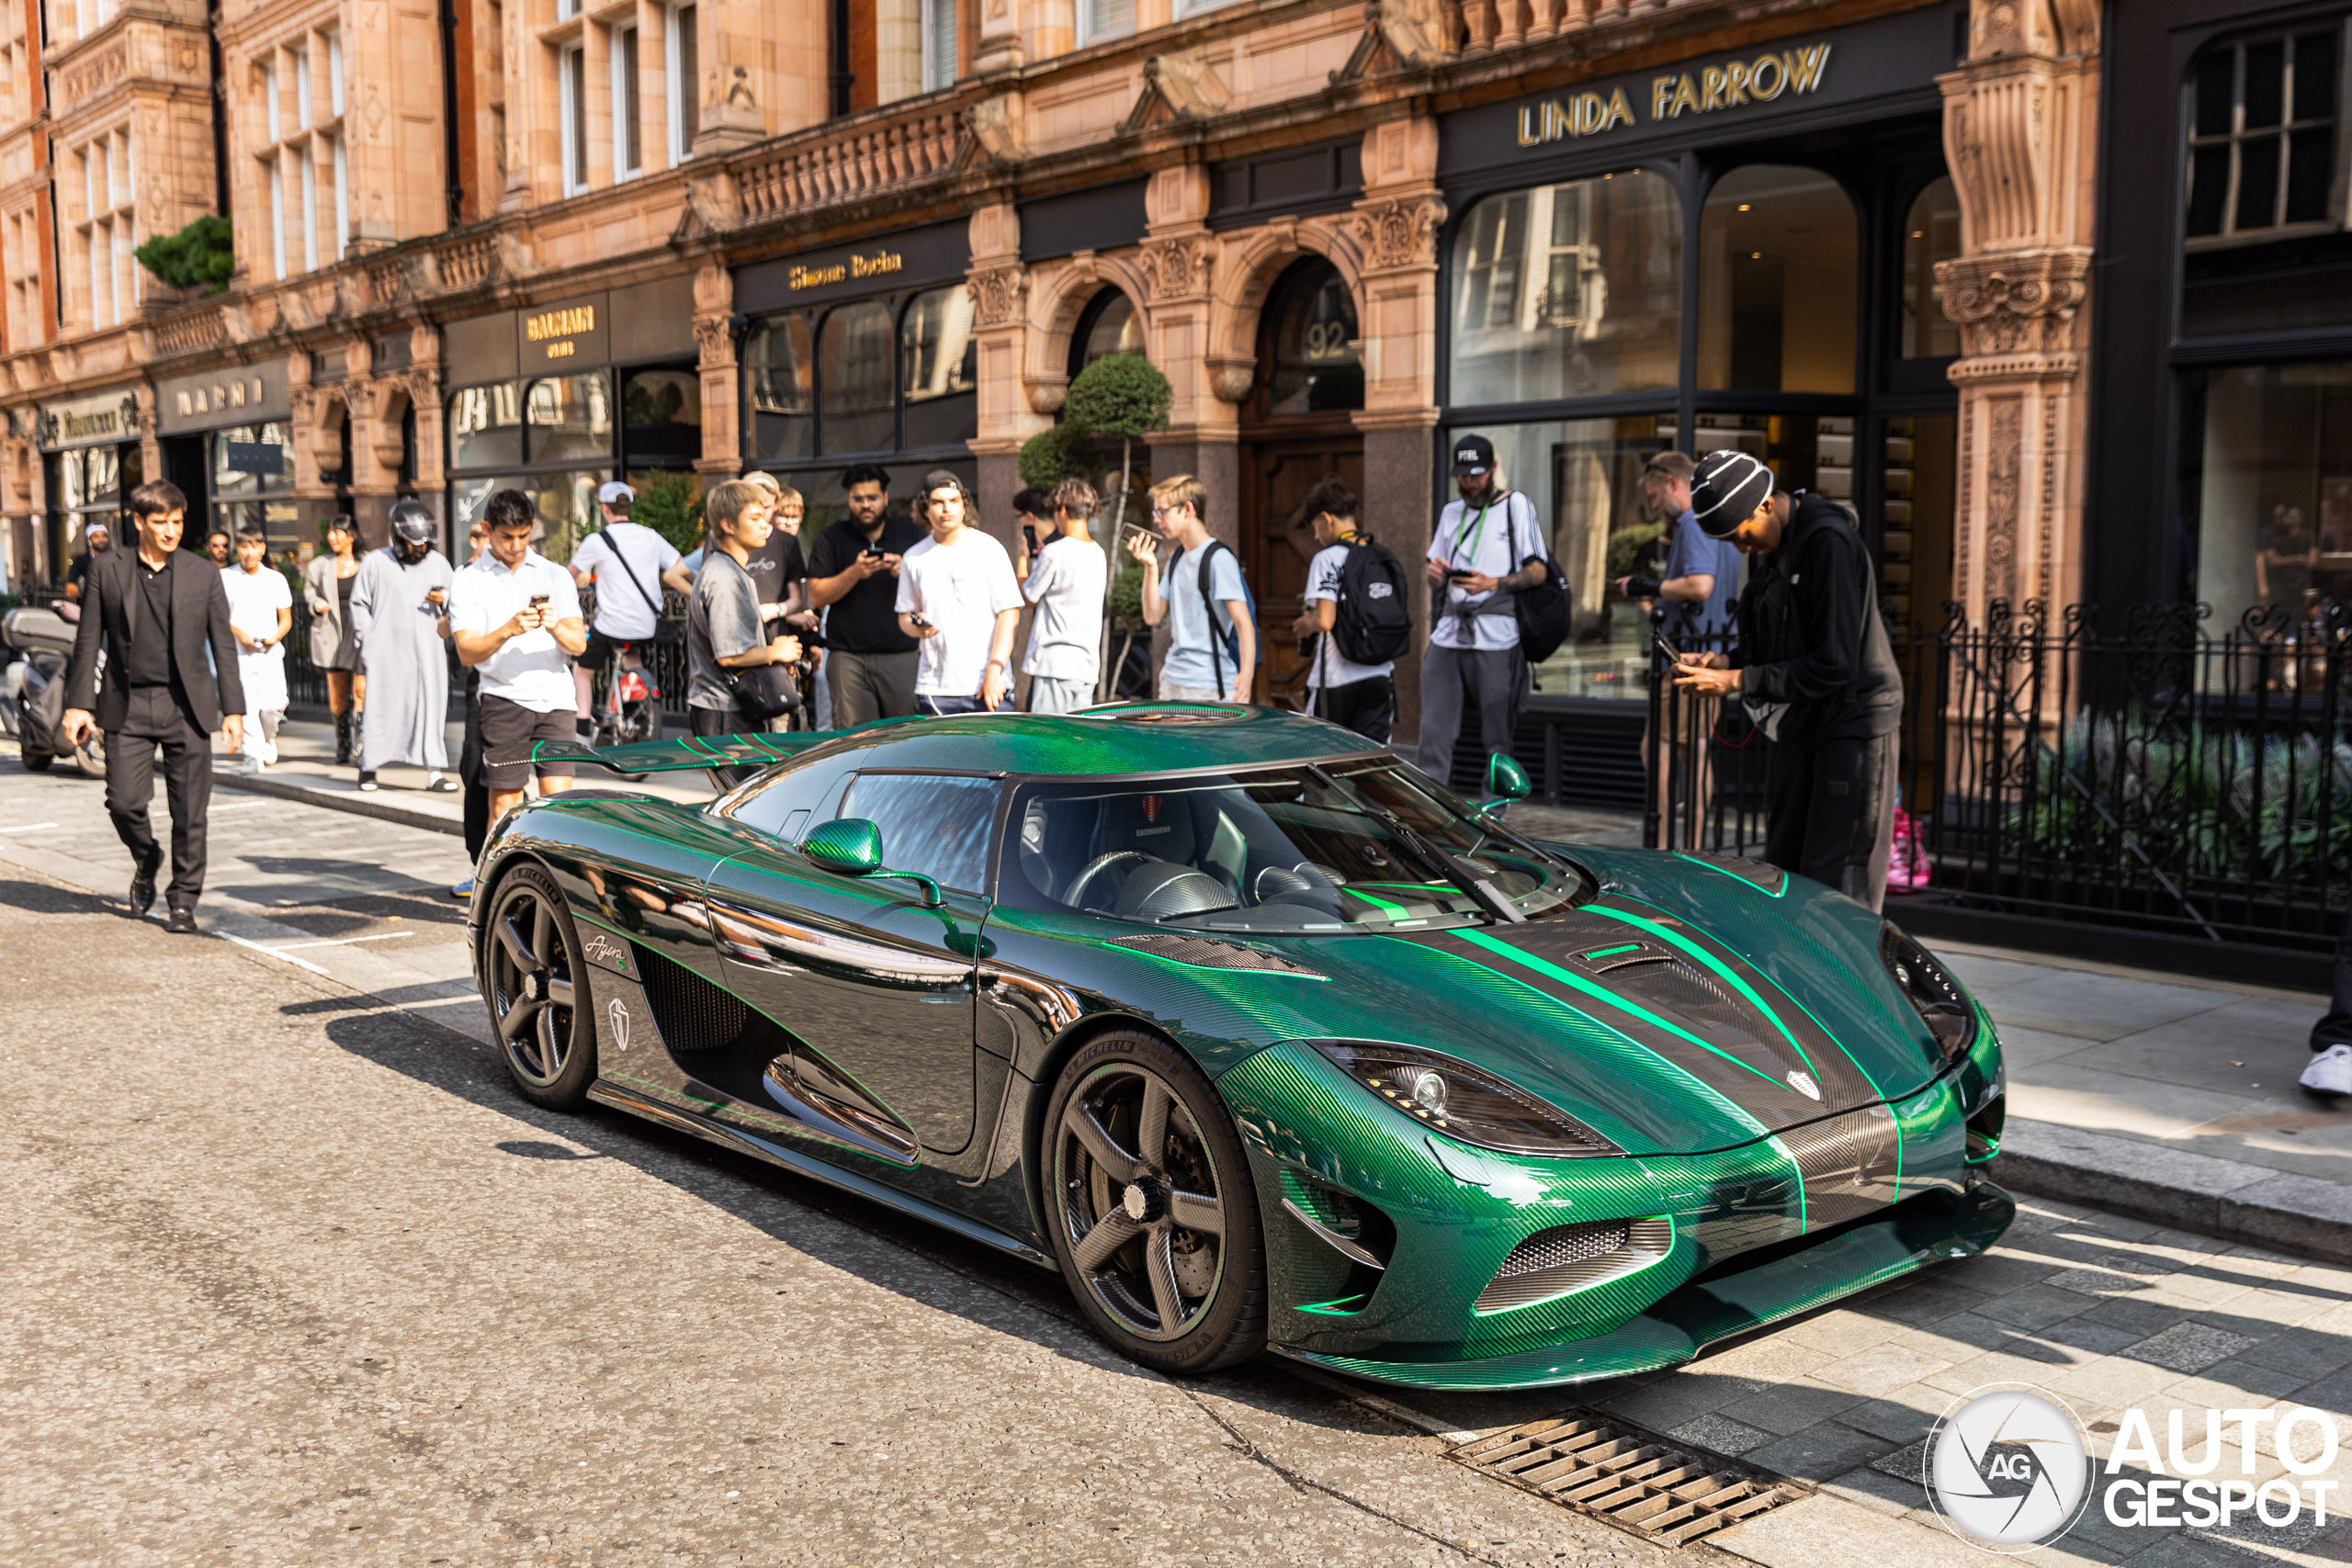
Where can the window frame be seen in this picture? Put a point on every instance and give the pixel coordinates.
(2234, 140)
(624, 43)
(571, 116)
(899, 304)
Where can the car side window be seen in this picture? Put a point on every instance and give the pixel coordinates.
(933, 823)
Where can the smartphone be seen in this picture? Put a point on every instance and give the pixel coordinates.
(1456, 573)
(1673, 654)
(539, 600)
(1029, 538)
(874, 552)
(918, 622)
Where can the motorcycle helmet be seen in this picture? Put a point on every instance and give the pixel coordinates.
(414, 530)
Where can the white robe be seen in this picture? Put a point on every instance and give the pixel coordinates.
(398, 631)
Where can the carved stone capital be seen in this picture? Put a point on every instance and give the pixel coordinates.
(715, 338)
(2021, 302)
(998, 295)
(1401, 231)
(1180, 268)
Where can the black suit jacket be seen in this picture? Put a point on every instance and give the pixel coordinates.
(112, 609)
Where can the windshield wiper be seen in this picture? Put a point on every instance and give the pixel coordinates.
(1481, 892)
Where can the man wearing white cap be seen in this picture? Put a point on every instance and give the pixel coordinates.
(629, 564)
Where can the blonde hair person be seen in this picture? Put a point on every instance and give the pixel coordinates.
(1207, 662)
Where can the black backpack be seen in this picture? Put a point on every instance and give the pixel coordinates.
(1546, 611)
(1370, 624)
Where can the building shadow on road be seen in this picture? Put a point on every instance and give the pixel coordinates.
(40, 898)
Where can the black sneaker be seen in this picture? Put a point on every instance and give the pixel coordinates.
(182, 921)
(367, 781)
(143, 882)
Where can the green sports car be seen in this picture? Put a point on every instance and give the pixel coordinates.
(1262, 1038)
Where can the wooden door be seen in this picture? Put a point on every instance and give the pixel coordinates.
(1278, 542)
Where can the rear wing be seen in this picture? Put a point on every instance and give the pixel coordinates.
(672, 756)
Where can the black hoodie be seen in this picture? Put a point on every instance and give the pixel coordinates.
(1810, 633)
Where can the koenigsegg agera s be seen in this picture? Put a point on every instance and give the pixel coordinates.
(1261, 1037)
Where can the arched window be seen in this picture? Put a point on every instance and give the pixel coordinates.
(781, 366)
(1315, 368)
(1108, 325)
(485, 427)
(570, 420)
(1930, 235)
(661, 416)
(853, 374)
(941, 361)
(1568, 290)
(1778, 280)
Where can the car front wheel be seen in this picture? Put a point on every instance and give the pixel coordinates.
(1154, 1216)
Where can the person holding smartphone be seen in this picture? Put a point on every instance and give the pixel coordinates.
(1063, 576)
(1487, 546)
(853, 575)
(515, 616)
(397, 605)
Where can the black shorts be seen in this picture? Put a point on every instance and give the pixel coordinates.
(602, 650)
(508, 726)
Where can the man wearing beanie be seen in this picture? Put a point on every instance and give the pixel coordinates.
(1815, 669)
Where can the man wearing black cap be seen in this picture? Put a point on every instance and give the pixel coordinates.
(1487, 546)
(399, 602)
(1813, 666)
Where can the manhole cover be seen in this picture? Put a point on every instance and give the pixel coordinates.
(1656, 1487)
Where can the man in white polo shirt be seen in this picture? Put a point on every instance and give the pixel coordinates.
(516, 616)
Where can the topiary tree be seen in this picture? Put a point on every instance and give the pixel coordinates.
(1124, 395)
(200, 257)
(1052, 456)
(670, 502)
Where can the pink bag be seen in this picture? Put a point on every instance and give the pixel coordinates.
(1907, 869)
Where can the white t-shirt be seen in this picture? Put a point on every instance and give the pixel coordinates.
(1332, 668)
(1491, 545)
(255, 598)
(532, 671)
(1193, 629)
(608, 556)
(1066, 584)
(961, 589)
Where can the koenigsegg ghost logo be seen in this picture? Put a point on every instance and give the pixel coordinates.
(2008, 1468)
(616, 1015)
(1803, 1083)
(1151, 809)
(605, 950)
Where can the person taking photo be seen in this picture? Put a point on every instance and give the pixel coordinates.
(515, 616)
(1486, 547)
(156, 614)
(959, 601)
(1064, 579)
(1699, 582)
(1816, 669)
(1213, 633)
(853, 572)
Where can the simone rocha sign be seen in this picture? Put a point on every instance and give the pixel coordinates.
(879, 263)
(1734, 83)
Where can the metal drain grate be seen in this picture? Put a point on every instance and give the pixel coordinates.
(1651, 1485)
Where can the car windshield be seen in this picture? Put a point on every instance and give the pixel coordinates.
(1359, 846)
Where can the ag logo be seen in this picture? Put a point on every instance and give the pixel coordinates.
(2008, 1469)
(616, 1016)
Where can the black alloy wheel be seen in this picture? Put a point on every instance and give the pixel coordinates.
(1154, 1214)
(537, 991)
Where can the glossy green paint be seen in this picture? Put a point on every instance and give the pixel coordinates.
(1701, 1153)
(848, 845)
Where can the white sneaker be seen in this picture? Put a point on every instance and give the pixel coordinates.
(2330, 1072)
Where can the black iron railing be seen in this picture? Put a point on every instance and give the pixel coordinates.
(2144, 771)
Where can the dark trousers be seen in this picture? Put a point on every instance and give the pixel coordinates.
(1832, 813)
(1367, 706)
(156, 722)
(471, 773)
(2336, 1029)
(1492, 682)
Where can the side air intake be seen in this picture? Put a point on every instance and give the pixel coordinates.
(692, 1013)
(1567, 1258)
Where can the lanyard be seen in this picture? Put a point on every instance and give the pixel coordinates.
(1463, 532)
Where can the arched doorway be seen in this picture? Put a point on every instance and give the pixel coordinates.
(1297, 428)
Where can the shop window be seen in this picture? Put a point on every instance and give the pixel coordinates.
(2270, 453)
(566, 500)
(486, 426)
(1108, 325)
(1779, 273)
(570, 420)
(853, 379)
(1930, 235)
(1804, 451)
(1315, 366)
(1568, 290)
(942, 364)
(781, 367)
(253, 480)
(2262, 136)
(663, 413)
(1585, 479)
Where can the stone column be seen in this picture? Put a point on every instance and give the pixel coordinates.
(722, 392)
(1397, 222)
(998, 288)
(376, 405)
(1179, 262)
(2021, 136)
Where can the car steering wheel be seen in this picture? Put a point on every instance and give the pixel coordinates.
(1075, 894)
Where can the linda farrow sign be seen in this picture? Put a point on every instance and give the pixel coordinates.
(1733, 84)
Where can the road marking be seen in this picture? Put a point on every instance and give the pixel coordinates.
(299, 963)
(28, 828)
(338, 941)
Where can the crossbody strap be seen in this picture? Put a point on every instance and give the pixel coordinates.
(634, 582)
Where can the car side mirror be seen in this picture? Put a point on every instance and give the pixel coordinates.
(1506, 782)
(852, 846)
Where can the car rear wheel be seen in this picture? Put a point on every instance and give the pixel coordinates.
(1153, 1213)
(537, 991)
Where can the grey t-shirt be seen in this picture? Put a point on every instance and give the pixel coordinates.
(722, 622)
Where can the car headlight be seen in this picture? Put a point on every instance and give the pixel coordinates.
(1462, 1102)
(1934, 994)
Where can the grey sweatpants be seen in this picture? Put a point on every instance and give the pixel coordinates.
(1494, 681)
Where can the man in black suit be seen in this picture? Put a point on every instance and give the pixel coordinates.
(157, 610)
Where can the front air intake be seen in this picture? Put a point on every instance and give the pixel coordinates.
(1568, 1258)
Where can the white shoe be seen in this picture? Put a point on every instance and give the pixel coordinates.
(2330, 1072)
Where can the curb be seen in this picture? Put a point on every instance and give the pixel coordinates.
(340, 800)
(2226, 1199)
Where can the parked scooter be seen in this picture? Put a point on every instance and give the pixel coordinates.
(32, 691)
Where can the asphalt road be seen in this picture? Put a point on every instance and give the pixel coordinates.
(289, 1275)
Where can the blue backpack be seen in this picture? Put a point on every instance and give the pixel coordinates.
(1221, 619)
